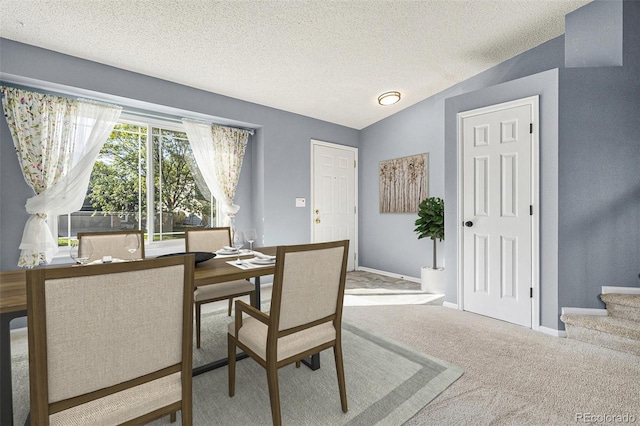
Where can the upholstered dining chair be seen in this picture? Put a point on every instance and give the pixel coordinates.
(112, 243)
(305, 316)
(211, 240)
(101, 351)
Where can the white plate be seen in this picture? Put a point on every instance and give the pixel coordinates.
(259, 261)
(264, 256)
(223, 251)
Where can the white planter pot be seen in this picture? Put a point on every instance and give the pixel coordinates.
(432, 280)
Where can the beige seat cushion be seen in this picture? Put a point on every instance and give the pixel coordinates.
(123, 406)
(253, 333)
(214, 291)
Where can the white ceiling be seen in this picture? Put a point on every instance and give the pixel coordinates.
(324, 59)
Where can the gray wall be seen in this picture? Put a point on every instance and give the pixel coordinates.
(275, 172)
(589, 153)
(387, 241)
(599, 166)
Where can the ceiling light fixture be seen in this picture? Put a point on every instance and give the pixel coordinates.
(389, 98)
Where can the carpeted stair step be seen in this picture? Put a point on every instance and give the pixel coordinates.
(625, 306)
(614, 333)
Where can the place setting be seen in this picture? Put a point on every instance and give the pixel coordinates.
(259, 261)
(239, 239)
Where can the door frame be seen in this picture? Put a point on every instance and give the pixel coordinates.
(315, 142)
(534, 102)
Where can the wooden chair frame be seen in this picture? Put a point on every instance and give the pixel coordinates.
(271, 363)
(199, 303)
(36, 279)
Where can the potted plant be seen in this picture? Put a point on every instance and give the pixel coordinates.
(430, 223)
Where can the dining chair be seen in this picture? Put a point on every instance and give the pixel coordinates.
(305, 316)
(101, 351)
(211, 240)
(113, 243)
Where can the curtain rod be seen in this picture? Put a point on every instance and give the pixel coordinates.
(127, 109)
(175, 119)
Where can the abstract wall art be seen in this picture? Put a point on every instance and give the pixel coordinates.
(404, 182)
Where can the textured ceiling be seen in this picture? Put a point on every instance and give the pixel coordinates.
(324, 59)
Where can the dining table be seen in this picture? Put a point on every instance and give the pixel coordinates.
(13, 304)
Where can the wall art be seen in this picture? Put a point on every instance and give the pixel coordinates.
(404, 182)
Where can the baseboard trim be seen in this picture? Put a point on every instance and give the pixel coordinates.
(388, 274)
(552, 332)
(585, 311)
(450, 305)
(620, 290)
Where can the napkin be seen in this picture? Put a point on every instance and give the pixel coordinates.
(263, 256)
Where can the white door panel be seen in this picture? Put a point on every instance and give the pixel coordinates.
(333, 206)
(497, 237)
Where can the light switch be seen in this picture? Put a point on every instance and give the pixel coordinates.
(301, 202)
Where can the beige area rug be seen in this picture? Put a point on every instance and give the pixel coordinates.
(512, 375)
(387, 383)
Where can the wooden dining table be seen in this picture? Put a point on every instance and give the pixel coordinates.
(13, 304)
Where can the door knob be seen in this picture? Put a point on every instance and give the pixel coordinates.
(317, 220)
(468, 224)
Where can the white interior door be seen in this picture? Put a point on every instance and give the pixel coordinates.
(497, 209)
(334, 195)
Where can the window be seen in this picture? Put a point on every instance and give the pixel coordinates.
(143, 165)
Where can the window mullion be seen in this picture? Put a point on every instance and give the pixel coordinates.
(150, 186)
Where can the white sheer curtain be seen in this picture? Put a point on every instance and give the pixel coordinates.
(57, 141)
(219, 152)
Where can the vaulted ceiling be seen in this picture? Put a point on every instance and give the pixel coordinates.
(323, 59)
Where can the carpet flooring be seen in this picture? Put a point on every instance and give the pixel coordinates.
(512, 375)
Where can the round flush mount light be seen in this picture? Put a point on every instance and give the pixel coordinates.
(389, 98)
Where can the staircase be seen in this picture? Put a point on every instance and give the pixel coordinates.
(617, 327)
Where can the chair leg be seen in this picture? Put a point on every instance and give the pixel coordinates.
(198, 311)
(274, 393)
(230, 305)
(231, 345)
(252, 299)
(173, 417)
(337, 352)
(297, 364)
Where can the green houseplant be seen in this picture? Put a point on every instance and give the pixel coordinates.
(430, 222)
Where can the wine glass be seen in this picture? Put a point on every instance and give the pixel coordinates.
(251, 236)
(81, 251)
(131, 244)
(238, 242)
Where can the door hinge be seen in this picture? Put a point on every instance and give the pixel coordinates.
(531, 128)
(531, 292)
(354, 164)
(354, 210)
(530, 210)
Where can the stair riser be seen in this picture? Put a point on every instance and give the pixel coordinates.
(606, 340)
(623, 311)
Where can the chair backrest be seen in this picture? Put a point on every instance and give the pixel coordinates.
(95, 331)
(308, 286)
(207, 239)
(112, 243)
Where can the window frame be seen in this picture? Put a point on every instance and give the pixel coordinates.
(151, 247)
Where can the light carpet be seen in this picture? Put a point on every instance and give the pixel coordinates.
(387, 383)
(512, 375)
